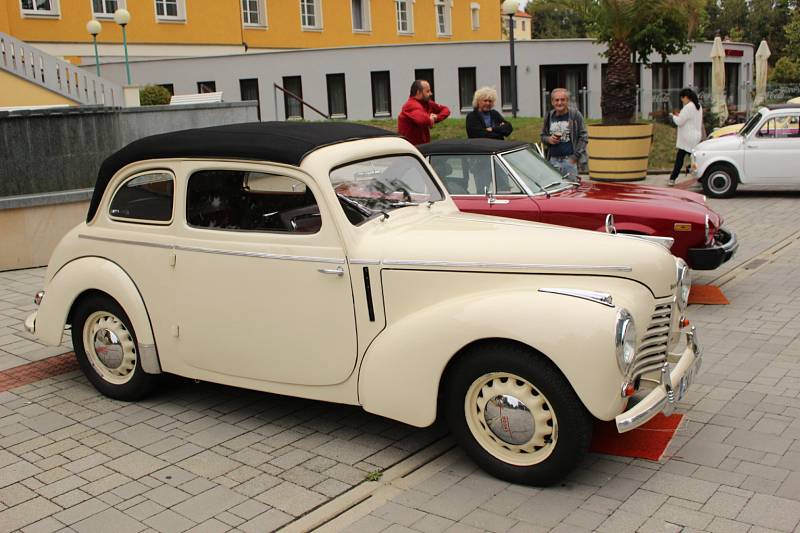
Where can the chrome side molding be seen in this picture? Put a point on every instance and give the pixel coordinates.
(602, 298)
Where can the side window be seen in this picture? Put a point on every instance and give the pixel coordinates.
(250, 201)
(464, 174)
(146, 198)
(788, 126)
(767, 130)
(504, 183)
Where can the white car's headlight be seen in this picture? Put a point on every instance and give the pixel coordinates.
(625, 339)
(684, 283)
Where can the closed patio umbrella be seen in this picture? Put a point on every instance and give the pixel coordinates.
(762, 65)
(719, 105)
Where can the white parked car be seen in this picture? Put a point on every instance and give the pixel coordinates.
(766, 151)
(326, 261)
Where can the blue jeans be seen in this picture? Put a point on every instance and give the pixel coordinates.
(566, 166)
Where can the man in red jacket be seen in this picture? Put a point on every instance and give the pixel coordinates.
(419, 114)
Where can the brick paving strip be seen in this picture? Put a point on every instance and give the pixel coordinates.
(32, 372)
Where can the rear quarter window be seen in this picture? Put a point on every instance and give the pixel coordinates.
(145, 198)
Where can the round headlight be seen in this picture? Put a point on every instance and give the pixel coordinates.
(625, 340)
(684, 284)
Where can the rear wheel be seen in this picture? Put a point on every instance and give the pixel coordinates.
(720, 181)
(516, 415)
(107, 351)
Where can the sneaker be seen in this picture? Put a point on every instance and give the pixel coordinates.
(671, 183)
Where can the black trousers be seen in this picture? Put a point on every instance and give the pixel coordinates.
(679, 157)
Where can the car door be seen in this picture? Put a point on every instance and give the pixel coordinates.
(772, 151)
(262, 286)
(479, 183)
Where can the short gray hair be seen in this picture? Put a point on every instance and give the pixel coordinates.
(484, 93)
(560, 90)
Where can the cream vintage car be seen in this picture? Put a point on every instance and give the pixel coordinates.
(326, 261)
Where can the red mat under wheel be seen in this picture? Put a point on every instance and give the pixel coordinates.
(645, 442)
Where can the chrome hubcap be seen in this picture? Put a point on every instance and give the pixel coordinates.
(109, 347)
(509, 419)
(719, 182)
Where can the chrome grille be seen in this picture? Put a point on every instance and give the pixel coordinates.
(653, 348)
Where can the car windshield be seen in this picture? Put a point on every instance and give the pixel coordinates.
(377, 186)
(532, 169)
(750, 124)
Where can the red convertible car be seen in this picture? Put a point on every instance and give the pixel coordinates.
(510, 179)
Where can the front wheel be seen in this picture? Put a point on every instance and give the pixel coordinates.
(516, 415)
(106, 348)
(720, 181)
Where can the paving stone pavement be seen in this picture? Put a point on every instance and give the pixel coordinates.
(204, 457)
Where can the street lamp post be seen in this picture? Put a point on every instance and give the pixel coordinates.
(510, 7)
(94, 28)
(123, 17)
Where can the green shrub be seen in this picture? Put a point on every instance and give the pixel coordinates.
(154, 95)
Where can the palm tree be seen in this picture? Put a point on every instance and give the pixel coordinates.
(636, 29)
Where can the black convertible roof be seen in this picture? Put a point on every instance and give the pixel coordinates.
(469, 146)
(279, 142)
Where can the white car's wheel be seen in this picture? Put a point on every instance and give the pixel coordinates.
(511, 419)
(720, 181)
(106, 349)
(515, 414)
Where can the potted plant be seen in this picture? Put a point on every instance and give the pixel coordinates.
(632, 29)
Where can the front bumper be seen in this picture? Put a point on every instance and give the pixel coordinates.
(674, 382)
(709, 258)
(30, 323)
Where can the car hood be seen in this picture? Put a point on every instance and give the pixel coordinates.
(729, 142)
(642, 200)
(422, 238)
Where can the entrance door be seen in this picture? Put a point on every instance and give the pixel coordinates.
(262, 286)
(569, 77)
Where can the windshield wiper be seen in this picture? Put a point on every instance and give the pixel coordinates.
(551, 184)
(364, 210)
(402, 204)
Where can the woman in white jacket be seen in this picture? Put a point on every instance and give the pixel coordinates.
(690, 130)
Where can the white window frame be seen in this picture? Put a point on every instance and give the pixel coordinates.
(261, 8)
(317, 26)
(54, 11)
(366, 17)
(121, 4)
(447, 13)
(409, 5)
(475, 15)
(180, 17)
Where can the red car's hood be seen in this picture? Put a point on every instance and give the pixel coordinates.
(640, 198)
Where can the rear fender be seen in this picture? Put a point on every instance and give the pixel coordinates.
(95, 274)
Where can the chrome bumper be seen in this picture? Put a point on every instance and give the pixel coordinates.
(30, 323)
(674, 383)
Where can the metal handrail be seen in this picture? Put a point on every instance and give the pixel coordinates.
(292, 95)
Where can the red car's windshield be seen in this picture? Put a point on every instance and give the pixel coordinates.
(532, 169)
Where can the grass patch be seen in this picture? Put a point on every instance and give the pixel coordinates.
(662, 153)
(374, 475)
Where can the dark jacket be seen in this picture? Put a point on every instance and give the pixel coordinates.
(578, 134)
(476, 128)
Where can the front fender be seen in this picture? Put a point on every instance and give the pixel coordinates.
(401, 372)
(94, 273)
(703, 166)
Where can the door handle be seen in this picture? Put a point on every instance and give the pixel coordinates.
(338, 271)
(495, 201)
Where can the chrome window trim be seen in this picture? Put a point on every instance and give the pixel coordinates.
(217, 251)
(365, 262)
(602, 298)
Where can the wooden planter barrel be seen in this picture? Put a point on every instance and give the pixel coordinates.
(619, 153)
